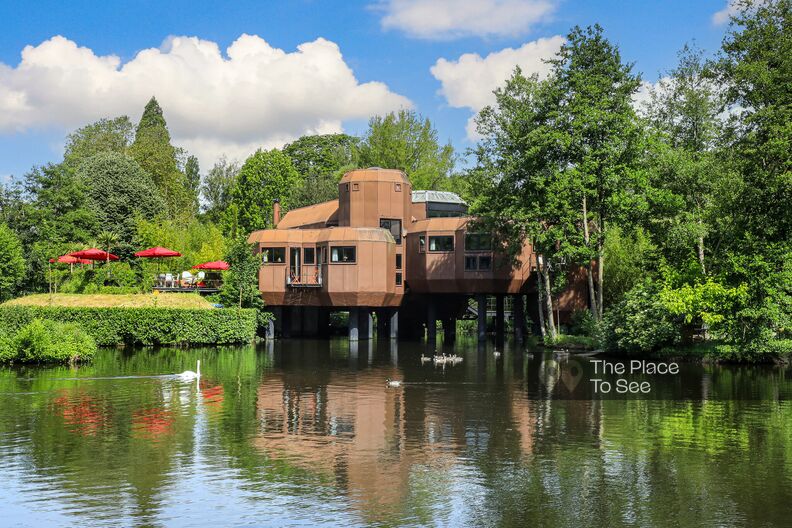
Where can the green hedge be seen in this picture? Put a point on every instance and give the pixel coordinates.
(47, 341)
(144, 326)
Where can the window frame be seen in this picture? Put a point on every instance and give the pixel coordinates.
(453, 243)
(489, 265)
(265, 250)
(474, 260)
(312, 251)
(340, 254)
(396, 237)
(399, 261)
(399, 279)
(479, 236)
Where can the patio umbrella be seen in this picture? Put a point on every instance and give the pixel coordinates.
(93, 254)
(157, 253)
(217, 265)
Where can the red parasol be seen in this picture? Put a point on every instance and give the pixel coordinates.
(157, 252)
(93, 254)
(68, 259)
(216, 265)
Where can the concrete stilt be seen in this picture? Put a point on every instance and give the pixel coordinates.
(431, 322)
(382, 323)
(518, 311)
(365, 324)
(270, 332)
(394, 324)
(354, 321)
(482, 317)
(499, 318)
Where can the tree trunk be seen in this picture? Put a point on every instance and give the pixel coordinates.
(549, 299)
(539, 288)
(701, 251)
(589, 273)
(600, 272)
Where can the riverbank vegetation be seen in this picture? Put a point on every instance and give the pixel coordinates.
(678, 208)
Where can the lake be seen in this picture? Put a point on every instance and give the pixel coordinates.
(306, 433)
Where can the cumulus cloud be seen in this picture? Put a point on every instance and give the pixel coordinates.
(722, 16)
(449, 19)
(469, 81)
(252, 96)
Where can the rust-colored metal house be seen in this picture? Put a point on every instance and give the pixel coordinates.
(384, 248)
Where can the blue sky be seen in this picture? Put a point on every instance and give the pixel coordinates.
(373, 57)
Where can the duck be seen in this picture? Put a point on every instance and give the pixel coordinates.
(497, 354)
(425, 359)
(393, 383)
(189, 375)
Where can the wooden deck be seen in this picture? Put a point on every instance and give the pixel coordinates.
(186, 289)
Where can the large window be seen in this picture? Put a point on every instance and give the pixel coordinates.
(421, 244)
(441, 243)
(398, 278)
(398, 262)
(395, 228)
(471, 263)
(309, 255)
(342, 254)
(485, 263)
(478, 263)
(478, 242)
(273, 255)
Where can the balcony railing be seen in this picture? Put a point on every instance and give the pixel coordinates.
(307, 277)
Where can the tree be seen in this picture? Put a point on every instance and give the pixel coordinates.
(321, 161)
(105, 135)
(192, 172)
(408, 142)
(265, 177)
(684, 112)
(119, 191)
(217, 188)
(591, 94)
(12, 262)
(153, 151)
(240, 284)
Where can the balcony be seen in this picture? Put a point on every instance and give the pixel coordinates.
(305, 277)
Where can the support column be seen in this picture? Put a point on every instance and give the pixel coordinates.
(365, 324)
(499, 318)
(431, 322)
(394, 323)
(449, 330)
(354, 320)
(382, 323)
(518, 317)
(481, 299)
(270, 331)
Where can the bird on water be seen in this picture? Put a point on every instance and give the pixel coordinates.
(189, 375)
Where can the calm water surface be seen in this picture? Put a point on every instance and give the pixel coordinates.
(304, 433)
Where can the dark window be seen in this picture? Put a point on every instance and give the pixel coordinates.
(346, 187)
(398, 279)
(342, 254)
(421, 244)
(485, 263)
(273, 255)
(478, 242)
(398, 262)
(309, 255)
(395, 228)
(355, 186)
(471, 262)
(441, 243)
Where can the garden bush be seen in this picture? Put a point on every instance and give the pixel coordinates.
(144, 326)
(47, 341)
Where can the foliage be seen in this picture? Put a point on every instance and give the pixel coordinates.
(711, 303)
(321, 160)
(153, 151)
(217, 188)
(197, 242)
(144, 326)
(119, 191)
(240, 284)
(192, 173)
(583, 323)
(630, 257)
(640, 323)
(408, 142)
(12, 262)
(105, 135)
(265, 177)
(51, 341)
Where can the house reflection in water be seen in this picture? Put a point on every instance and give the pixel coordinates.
(376, 443)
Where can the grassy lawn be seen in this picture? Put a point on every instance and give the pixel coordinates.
(163, 300)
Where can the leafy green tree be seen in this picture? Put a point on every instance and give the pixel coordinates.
(192, 171)
(240, 283)
(265, 177)
(105, 135)
(118, 192)
(320, 161)
(407, 141)
(12, 262)
(153, 151)
(217, 188)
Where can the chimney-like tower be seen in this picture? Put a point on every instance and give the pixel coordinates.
(276, 213)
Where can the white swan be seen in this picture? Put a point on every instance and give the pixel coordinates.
(393, 383)
(496, 354)
(189, 375)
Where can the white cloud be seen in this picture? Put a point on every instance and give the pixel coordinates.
(254, 96)
(722, 16)
(469, 81)
(448, 19)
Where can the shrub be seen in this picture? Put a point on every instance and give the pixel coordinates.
(144, 326)
(44, 341)
(7, 351)
(582, 323)
(640, 323)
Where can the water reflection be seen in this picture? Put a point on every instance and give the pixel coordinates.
(306, 432)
